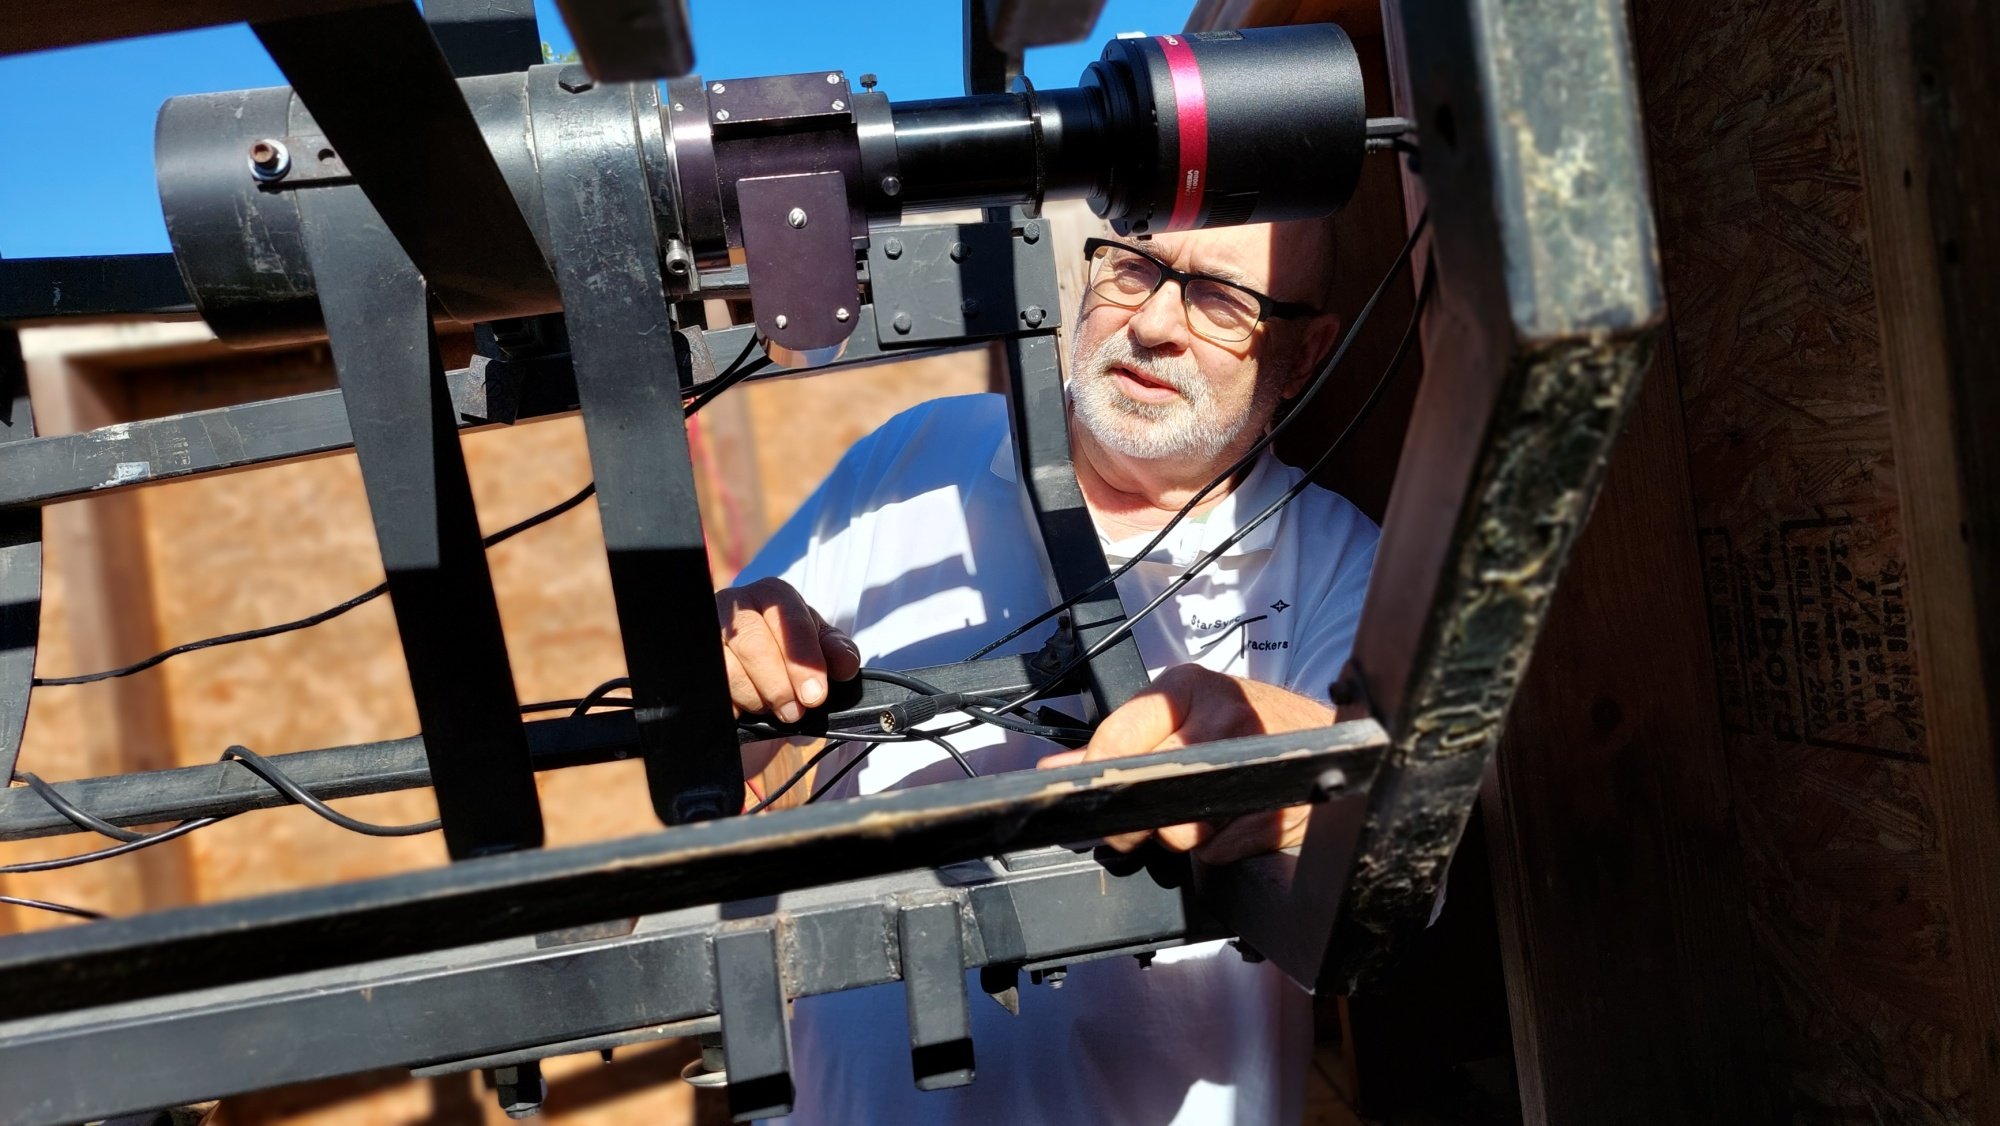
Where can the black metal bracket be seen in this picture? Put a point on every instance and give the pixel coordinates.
(406, 437)
(628, 383)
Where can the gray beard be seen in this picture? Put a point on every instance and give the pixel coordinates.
(1189, 428)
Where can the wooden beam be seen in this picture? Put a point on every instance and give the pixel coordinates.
(1623, 928)
(1927, 104)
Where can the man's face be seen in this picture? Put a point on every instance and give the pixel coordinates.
(1151, 383)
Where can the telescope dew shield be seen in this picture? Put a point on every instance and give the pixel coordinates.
(1217, 128)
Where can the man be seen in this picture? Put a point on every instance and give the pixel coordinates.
(918, 549)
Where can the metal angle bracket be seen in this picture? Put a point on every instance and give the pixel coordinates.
(950, 282)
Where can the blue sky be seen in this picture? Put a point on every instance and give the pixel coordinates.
(76, 125)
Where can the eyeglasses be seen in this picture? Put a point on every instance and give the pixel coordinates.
(1217, 310)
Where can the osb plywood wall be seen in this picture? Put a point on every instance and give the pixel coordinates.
(1753, 122)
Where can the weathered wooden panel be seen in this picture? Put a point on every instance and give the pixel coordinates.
(1752, 120)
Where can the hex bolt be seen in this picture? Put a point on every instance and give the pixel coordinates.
(960, 252)
(901, 323)
(722, 115)
(269, 160)
(1031, 232)
(575, 79)
(833, 79)
(839, 105)
(520, 1090)
(893, 248)
(841, 315)
(1033, 314)
(969, 306)
(796, 217)
(781, 320)
(891, 186)
(716, 87)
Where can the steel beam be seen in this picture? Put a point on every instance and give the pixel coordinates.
(531, 891)
(499, 1002)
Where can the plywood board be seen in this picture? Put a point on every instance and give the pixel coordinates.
(1751, 117)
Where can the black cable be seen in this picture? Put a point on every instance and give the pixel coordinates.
(706, 395)
(59, 908)
(280, 781)
(961, 702)
(1250, 455)
(77, 817)
(161, 837)
(796, 776)
(132, 842)
(1305, 480)
(571, 704)
(598, 695)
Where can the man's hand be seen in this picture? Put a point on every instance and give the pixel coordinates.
(1189, 704)
(781, 654)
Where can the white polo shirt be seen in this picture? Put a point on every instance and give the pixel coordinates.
(921, 546)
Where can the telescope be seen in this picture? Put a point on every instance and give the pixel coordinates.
(775, 183)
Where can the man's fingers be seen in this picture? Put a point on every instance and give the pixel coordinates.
(750, 640)
(742, 693)
(1061, 758)
(797, 632)
(842, 655)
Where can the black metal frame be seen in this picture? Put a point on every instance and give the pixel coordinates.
(1547, 298)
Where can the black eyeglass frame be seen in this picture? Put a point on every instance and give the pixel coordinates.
(1268, 307)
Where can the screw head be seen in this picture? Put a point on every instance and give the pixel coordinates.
(841, 315)
(969, 306)
(722, 115)
(1031, 232)
(893, 248)
(796, 218)
(901, 323)
(781, 320)
(716, 87)
(960, 252)
(891, 186)
(867, 82)
(575, 79)
(1033, 314)
(680, 107)
(833, 79)
(839, 105)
